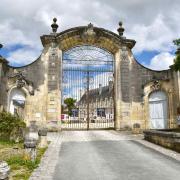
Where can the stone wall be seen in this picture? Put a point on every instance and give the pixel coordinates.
(132, 81)
(3, 83)
(168, 139)
(35, 104)
(134, 103)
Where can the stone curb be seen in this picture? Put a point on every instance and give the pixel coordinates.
(47, 165)
(170, 153)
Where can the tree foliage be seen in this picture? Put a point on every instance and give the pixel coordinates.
(177, 42)
(176, 65)
(10, 125)
(70, 104)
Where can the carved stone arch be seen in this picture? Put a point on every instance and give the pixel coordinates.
(165, 88)
(57, 43)
(160, 89)
(88, 35)
(23, 90)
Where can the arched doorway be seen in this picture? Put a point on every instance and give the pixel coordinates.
(17, 99)
(158, 110)
(87, 95)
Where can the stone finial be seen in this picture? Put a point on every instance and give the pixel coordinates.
(89, 32)
(120, 29)
(90, 26)
(54, 25)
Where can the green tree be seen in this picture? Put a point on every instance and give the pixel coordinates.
(177, 42)
(70, 104)
(176, 65)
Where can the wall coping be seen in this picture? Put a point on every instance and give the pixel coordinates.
(162, 133)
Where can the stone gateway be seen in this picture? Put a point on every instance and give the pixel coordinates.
(124, 93)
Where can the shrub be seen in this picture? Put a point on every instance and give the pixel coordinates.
(11, 127)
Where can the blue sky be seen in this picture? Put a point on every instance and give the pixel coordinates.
(154, 24)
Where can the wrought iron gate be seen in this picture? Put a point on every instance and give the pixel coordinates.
(87, 96)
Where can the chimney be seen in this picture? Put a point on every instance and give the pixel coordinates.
(110, 86)
(100, 89)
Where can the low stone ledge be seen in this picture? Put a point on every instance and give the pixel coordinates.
(166, 139)
(162, 133)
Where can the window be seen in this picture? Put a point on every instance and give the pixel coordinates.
(75, 112)
(101, 112)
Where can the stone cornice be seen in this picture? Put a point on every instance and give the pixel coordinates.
(78, 31)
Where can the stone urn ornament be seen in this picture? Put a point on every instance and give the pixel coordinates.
(30, 143)
(42, 132)
(30, 148)
(4, 170)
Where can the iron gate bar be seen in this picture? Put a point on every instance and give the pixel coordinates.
(70, 69)
(87, 100)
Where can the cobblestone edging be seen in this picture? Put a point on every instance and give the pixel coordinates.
(49, 160)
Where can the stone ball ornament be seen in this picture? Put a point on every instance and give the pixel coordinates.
(30, 143)
(43, 132)
(54, 25)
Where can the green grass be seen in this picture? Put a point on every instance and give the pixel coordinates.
(23, 176)
(16, 162)
(6, 144)
(21, 167)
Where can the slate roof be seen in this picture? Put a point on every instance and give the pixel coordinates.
(94, 94)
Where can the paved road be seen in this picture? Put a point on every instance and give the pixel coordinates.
(105, 155)
(98, 158)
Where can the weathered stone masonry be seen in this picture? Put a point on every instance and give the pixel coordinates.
(133, 83)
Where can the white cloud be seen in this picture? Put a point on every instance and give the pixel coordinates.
(157, 36)
(10, 36)
(161, 61)
(23, 56)
(152, 23)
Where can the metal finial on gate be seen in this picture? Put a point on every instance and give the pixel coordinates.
(54, 25)
(120, 29)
